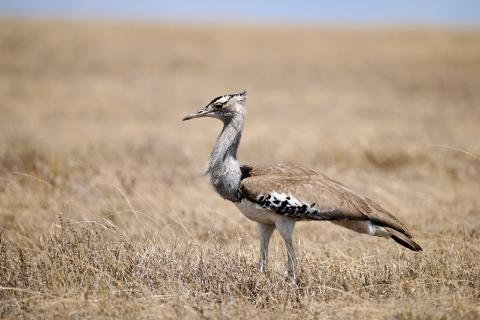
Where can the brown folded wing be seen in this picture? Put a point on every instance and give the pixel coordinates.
(333, 200)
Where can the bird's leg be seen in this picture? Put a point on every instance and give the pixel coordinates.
(291, 261)
(285, 228)
(265, 231)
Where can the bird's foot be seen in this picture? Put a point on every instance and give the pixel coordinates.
(262, 266)
(292, 278)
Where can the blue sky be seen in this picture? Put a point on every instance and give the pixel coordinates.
(436, 12)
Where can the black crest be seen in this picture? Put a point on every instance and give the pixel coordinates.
(220, 100)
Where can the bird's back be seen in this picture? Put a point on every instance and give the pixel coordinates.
(305, 194)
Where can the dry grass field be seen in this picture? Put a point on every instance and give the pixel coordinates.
(104, 212)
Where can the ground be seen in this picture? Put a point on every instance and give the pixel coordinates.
(104, 211)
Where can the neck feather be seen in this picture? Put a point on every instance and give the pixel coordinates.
(223, 168)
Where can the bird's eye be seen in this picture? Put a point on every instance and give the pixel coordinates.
(218, 106)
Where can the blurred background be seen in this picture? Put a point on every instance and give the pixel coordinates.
(381, 95)
(344, 12)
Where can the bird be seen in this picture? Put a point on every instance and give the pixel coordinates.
(277, 196)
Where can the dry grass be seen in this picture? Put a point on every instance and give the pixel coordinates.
(104, 213)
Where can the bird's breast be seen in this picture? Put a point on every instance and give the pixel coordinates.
(256, 213)
(225, 178)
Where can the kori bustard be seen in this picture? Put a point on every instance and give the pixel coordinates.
(277, 196)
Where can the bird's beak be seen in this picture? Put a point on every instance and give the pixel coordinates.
(198, 114)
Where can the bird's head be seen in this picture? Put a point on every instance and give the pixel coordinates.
(223, 107)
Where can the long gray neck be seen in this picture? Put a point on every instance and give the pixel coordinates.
(223, 168)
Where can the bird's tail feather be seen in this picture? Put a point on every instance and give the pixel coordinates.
(402, 239)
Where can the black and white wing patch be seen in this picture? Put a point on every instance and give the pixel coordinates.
(290, 206)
